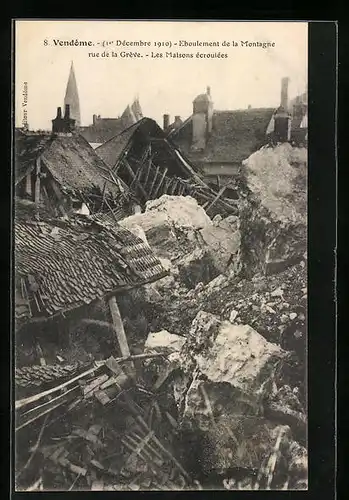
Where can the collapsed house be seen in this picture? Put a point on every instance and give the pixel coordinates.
(149, 163)
(61, 172)
(63, 264)
(62, 267)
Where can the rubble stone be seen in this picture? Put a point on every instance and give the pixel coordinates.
(226, 371)
(164, 340)
(273, 214)
(223, 244)
(157, 370)
(179, 230)
(182, 211)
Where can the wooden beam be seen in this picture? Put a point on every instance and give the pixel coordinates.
(28, 185)
(161, 181)
(148, 172)
(174, 187)
(59, 195)
(132, 174)
(120, 332)
(138, 176)
(218, 181)
(167, 183)
(219, 194)
(37, 181)
(154, 179)
(181, 189)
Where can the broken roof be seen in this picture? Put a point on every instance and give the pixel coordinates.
(63, 264)
(103, 130)
(116, 148)
(235, 135)
(112, 150)
(72, 162)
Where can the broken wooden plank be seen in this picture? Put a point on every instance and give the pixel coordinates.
(160, 182)
(23, 402)
(89, 389)
(148, 172)
(119, 327)
(132, 174)
(140, 446)
(174, 187)
(216, 198)
(120, 332)
(28, 185)
(154, 179)
(137, 177)
(37, 181)
(131, 405)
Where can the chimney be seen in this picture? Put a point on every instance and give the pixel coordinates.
(94, 119)
(284, 93)
(249, 106)
(67, 112)
(202, 120)
(63, 125)
(166, 121)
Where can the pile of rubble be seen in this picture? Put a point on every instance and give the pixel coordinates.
(215, 394)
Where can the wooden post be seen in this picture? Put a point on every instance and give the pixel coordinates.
(37, 182)
(119, 328)
(154, 179)
(160, 183)
(59, 195)
(28, 185)
(148, 172)
(174, 187)
(219, 194)
(132, 174)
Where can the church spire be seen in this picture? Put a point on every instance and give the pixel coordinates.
(72, 97)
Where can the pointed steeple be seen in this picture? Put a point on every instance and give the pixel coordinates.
(136, 108)
(72, 97)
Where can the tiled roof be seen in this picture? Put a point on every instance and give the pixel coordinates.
(142, 133)
(111, 216)
(105, 129)
(63, 264)
(72, 162)
(235, 135)
(112, 150)
(27, 148)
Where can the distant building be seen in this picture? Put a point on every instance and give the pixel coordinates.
(72, 97)
(103, 129)
(290, 120)
(215, 141)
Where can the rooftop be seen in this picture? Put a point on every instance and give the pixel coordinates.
(72, 162)
(63, 264)
(235, 135)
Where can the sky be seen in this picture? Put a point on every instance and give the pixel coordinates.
(247, 76)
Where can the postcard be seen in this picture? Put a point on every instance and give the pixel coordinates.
(160, 241)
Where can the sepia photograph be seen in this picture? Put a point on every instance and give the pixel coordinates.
(160, 255)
